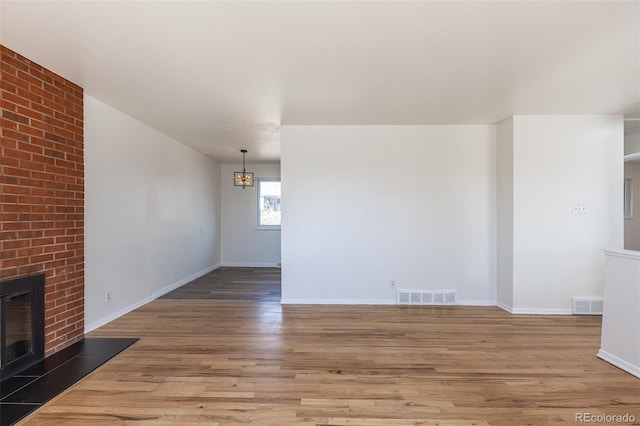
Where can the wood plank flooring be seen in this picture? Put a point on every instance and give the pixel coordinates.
(210, 362)
(232, 284)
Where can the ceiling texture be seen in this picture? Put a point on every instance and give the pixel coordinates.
(224, 75)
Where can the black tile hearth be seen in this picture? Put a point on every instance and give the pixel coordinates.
(53, 383)
(12, 413)
(12, 384)
(29, 390)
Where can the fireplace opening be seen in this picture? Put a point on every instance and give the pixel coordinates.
(21, 324)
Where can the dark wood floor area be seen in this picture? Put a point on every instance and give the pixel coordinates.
(210, 362)
(226, 283)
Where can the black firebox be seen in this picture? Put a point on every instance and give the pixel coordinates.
(21, 324)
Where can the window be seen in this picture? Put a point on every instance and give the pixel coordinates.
(268, 203)
(628, 212)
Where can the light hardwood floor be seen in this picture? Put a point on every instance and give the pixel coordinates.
(219, 363)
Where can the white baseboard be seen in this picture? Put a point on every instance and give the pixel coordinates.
(535, 311)
(620, 363)
(97, 324)
(532, 311)
(90, 327)
(393, 302)
(184, 281)
(476, 302)
(338, 301)
(504, 307)
(250, 265)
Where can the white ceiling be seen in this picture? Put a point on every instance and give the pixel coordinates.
(225, 75)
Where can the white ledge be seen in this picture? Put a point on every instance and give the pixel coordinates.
(632, 156)
(627, 254)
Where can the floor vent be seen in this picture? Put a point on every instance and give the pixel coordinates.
(587, 306)
(430, 297)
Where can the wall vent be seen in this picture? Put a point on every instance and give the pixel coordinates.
(587, 306)
(426, 297)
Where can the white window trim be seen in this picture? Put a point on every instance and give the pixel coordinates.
(257, 205)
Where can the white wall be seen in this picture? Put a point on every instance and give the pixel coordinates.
(505, 214)
(558, 162)
(632, 226)
(364, 205)
(242, 243)
(152, 213)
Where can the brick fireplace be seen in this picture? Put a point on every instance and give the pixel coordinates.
(42, 191)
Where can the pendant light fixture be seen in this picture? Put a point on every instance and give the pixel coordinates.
(243, 178)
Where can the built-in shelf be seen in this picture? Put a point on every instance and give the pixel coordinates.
(635, 158)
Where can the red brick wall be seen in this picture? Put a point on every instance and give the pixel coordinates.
(42, 190)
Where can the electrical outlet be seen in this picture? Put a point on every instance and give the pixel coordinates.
(107, 297)
(579, 209)
(392, 285)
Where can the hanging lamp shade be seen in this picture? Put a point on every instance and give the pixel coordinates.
(243, 178)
